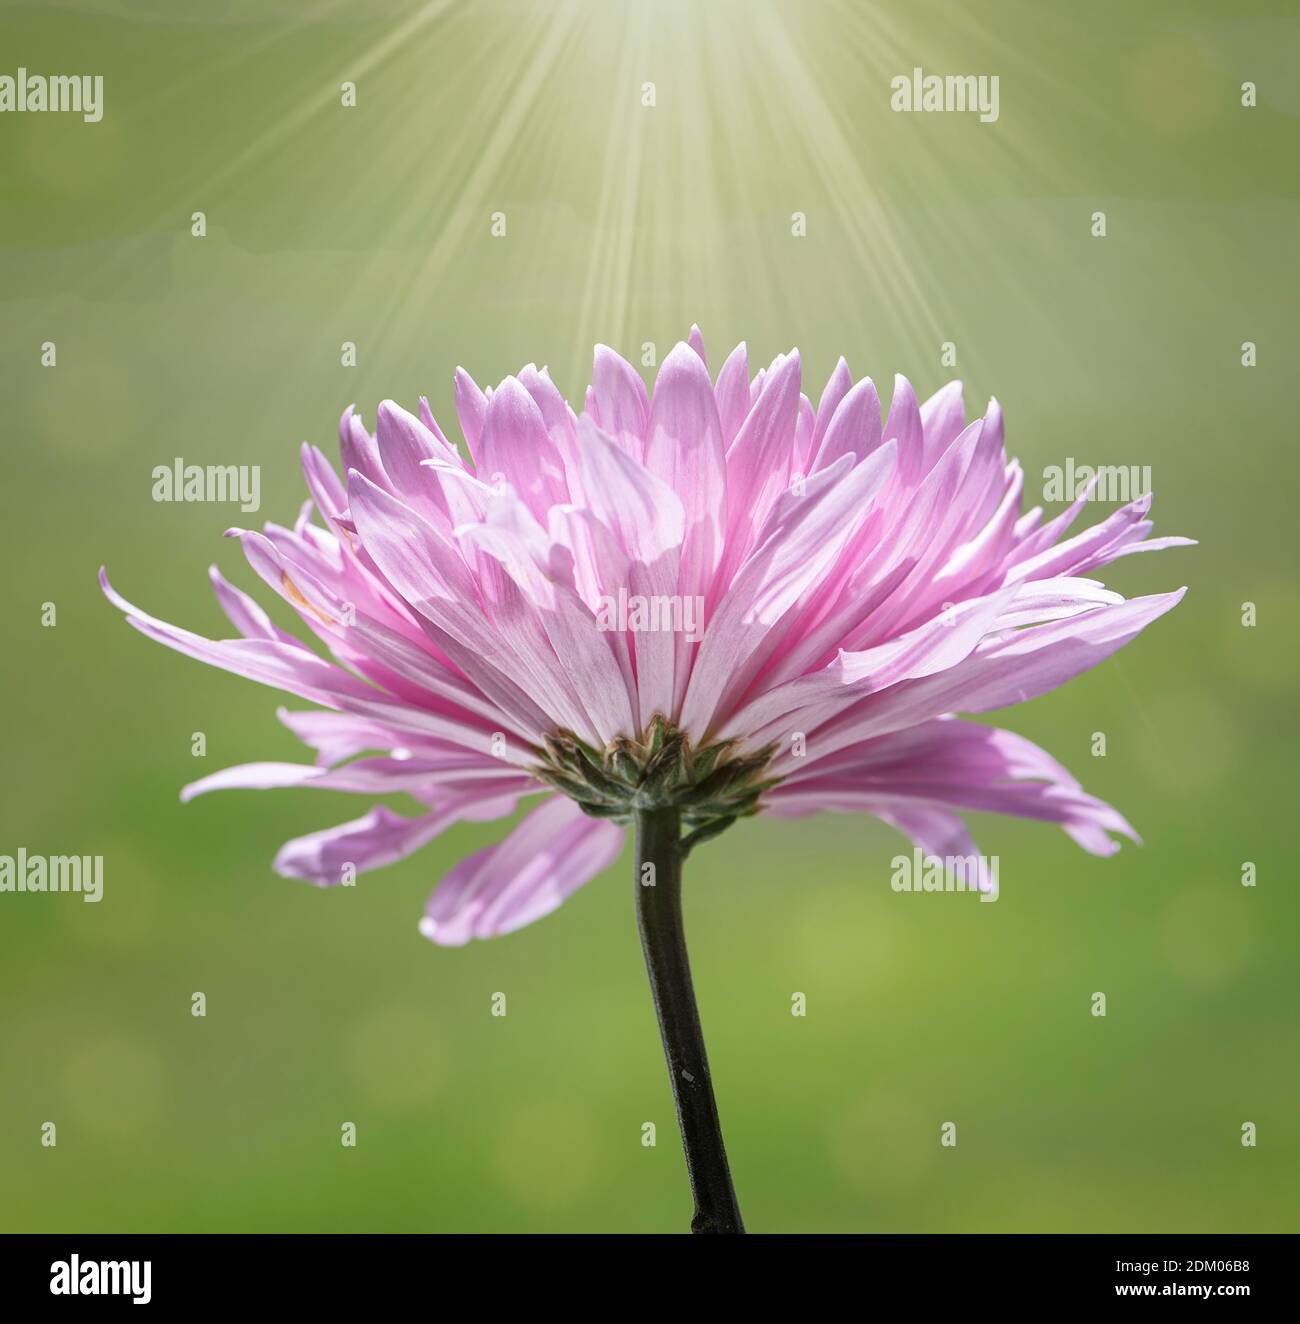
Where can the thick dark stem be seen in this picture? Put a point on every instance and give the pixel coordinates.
(663, 940)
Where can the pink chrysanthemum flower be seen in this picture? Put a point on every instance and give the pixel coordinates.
(674, 608)
(497, 620)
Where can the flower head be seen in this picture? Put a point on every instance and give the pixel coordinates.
(714, 596)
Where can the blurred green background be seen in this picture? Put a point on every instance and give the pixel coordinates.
(625, 223)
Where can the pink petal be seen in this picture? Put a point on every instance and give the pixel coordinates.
(696, 341)
(516, 447)
(622, 407)
(375, 776)
(404, 445)
(244, 613)
(836, 388)
(684, 448)
(471, 411)
(732, 392)
(359, 450)
(547, 857)
(328, 858)
(904, 426)
(854, 428)
(943, 417)
(327, 491)
(759, 461)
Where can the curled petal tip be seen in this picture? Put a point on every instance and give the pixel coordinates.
(112, 594)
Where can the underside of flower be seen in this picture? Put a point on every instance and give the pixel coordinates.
(711, 787)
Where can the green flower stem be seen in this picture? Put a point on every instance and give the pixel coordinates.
(663, 940)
